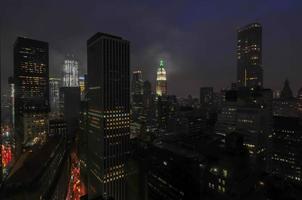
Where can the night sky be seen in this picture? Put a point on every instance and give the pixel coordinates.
(196, 38)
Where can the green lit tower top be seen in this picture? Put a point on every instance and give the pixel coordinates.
(161, 80)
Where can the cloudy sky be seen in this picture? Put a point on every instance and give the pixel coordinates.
(197, 38)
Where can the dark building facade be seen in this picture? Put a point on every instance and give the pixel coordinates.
(136, 103)
(70, 100)
(286, 148)
(31, 76)
(108, 115)
(137, 82)
(174, 173)
(206, 96)
(249, 56)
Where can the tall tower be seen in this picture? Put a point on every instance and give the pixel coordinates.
(249, 56)
(31, 76)
(70, 72)
(108, 115)
(137, 82)
(161, 80)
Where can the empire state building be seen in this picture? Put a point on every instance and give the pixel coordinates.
(161, 80)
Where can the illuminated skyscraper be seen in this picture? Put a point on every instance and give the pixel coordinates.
(108, 115)
(161, 80)
(249, 56)
(70, 72)
(31, 76)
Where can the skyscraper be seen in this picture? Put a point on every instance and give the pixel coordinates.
(136, 103)
(161, 80)
(31, 76)
(137, 82)
(70, 95)
(70, 72)
(108, 115)
(249, 56)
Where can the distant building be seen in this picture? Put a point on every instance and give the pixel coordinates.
(165, 111)
(189, 121)
(149, 120)
(137, 82)
(54, 90)
(287, 104)
(161, 80)
(227, 117)
(206, 96)
(249, 56)
(136, 102)
(70, 72)
(31, 77)
(108, 115)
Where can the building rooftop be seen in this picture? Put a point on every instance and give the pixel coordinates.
(100, 35)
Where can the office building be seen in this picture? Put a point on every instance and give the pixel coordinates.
(249, 56)
(227, 117)
(108, 115)
(31, 77)
(286, 143)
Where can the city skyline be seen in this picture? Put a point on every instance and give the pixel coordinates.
(152, 100)
(189, 46)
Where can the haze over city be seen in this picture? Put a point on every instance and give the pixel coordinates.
(196, 38)
(150, 100)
